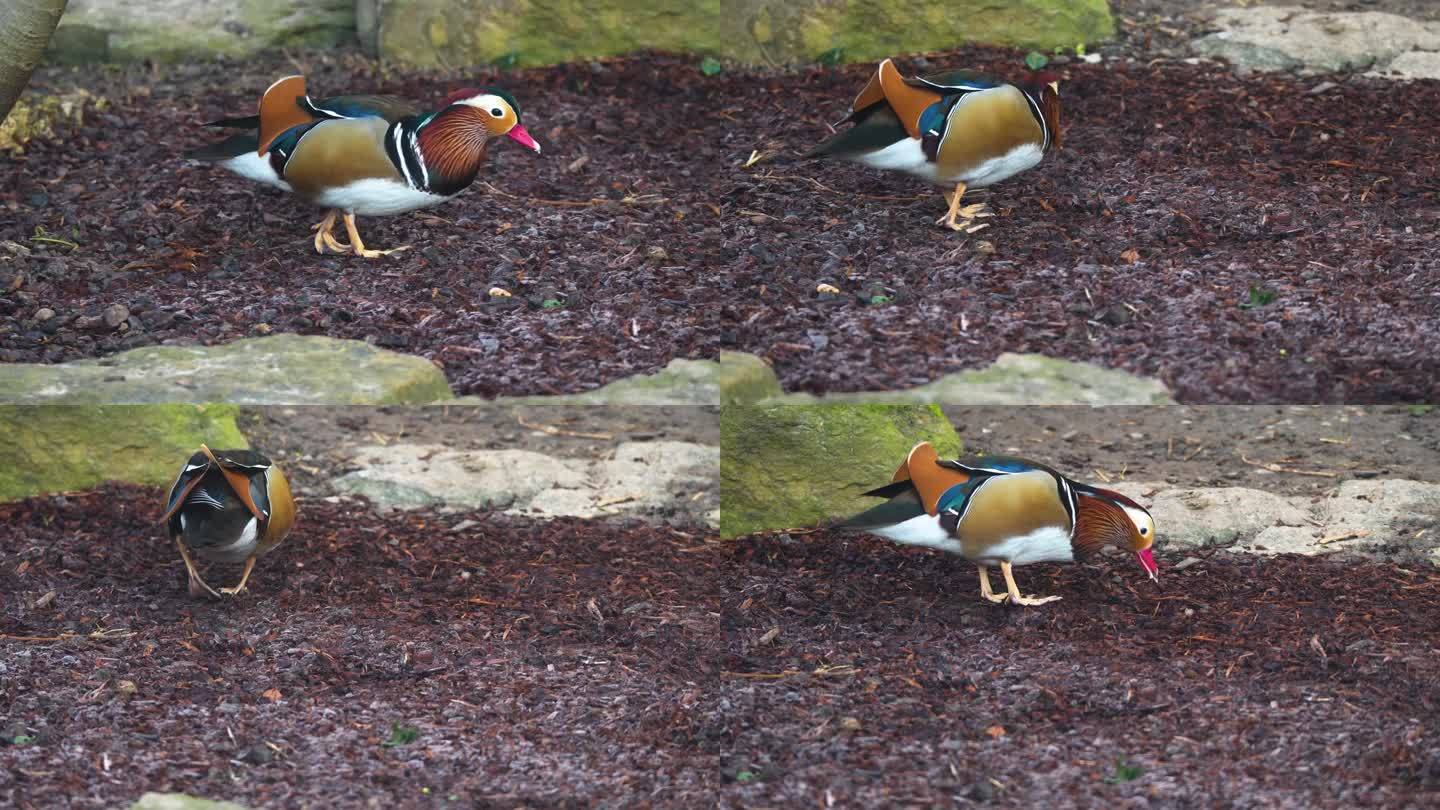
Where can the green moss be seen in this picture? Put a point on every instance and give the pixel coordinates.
(277, 370)
(746, 379)
(60, 448)
(172, 30)
(793, 466)
(544, 32)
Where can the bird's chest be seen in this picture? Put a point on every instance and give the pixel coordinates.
(989, 136)
(1016, 518)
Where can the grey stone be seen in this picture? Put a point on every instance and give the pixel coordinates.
(746, 379)
(278, 370)
(1411, 65)
(1213, 516)
(1017, 379)
(681, 383)
(642, 478)
(406, 476)
(1387, 519)
(132, 30)
(1268, 38)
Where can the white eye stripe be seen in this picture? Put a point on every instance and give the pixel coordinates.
(1142, 520)
(489, 102)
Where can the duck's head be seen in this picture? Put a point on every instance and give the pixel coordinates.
(498, 113)
(1109, 518)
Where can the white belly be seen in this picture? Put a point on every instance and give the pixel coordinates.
(373, 197)
(923, 531)
(1049, 544)
(1017, 160)
(253, 167)
(907, 156)
(238, 551)
(902, 156)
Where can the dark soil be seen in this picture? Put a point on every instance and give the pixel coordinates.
(1287, 450)
(605, 222)
(1242, 239)
(315, 444)
(1236, 682)
(535, 664)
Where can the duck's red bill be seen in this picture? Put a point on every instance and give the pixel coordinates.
(518, 134)
(1147, 561)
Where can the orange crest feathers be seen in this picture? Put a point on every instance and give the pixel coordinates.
(889, 86)
(280, 110)
(922, 468)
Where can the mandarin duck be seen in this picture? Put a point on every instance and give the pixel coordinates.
(365, 155)
(997, 510)
(958, 128)
(228, 506)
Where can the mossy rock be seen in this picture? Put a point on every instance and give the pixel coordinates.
(1020, 379)
(275, 370)
(794, 466)
(681, 383)
(1013, 379)
(442, 33)
(173, 30)
(746, 379)
(67, 447)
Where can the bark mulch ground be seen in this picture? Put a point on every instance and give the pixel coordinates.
(507, 663)
(588, 664)
(1236, 682)
(598, 238)
(1243, 239)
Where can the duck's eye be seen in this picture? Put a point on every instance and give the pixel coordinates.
(497, 112)
(1144, 531)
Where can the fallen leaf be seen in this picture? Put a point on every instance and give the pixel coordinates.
(1131, 256)
(273, 694)
(995, 732)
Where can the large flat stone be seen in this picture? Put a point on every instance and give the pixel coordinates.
(746, 379)
(1268, 38)
(441, 33)
(132, 30)
(1385, 519)
(68, 447)
(276, 370)
(1214, 515)
(681, 383)
(659, 479)
(1013, 379)
(1411, 65)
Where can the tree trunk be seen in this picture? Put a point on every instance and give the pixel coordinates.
(25, 29)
